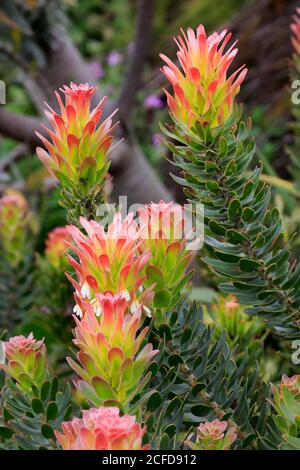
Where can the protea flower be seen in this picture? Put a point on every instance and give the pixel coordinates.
(109, 261)
(214, 435)
(203, 92)
(295, 27)
(227, 314)
(16, 222)
(111, 359)
(102, 429)
(25, 361)
(56, 247)
(286, 403)
(77, 152)
(162, 232)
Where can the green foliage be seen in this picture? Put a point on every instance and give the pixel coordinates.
(29, 420)
(243, 234)
(196, 379)
(17, 291)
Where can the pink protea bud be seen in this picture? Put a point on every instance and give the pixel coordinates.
(77, 152)
(16, 221)
(25, 360)
(295, 27)
(111, 359)
(56, 246)
(203, 93)
(292, 384)
(286, 403)
(102, 429)
(162, 232)
(109, 260)
(215, 435)
(231, 304)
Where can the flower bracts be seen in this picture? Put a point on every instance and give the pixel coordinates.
(102, 429)
(203, 93)
(244, 237)
(113, 355)
(77, 152)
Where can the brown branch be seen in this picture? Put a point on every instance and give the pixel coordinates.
(142, 42)
(19, 127)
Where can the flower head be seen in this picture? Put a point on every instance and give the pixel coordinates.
(215, 435)
(162, 232)
(102, 429)
(109, 260)
(77, 152)
(203, 93)
(16, 221)
(286, 403)
(56, 247)
(292, 384)
(111, 359)
(25, 360)
(295, 27)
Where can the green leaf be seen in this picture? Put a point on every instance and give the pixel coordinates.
(155, 276)
(5, 433)
(162, 299)
(175, 359)
(47, 431)
(154, 401)
(52, 411)
(37, 405)
(164, 443)
(234, 209)
(103, 389)
(247, 215)
(45, 389)
(231, 168)
(249, 265)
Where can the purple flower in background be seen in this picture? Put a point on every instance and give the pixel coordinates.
(114, 58)
(153, 102)
(156, 140)
(96, 70)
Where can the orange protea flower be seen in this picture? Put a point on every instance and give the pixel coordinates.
(77, 152)
(25, 361)
(56, 246)
(111, 362)
(162, 232)
(202, 91)
(109, 261)
(295, 27)
(102, 429)
(16, 221)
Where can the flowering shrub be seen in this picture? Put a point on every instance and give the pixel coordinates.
(151, 369)
(77, 153)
